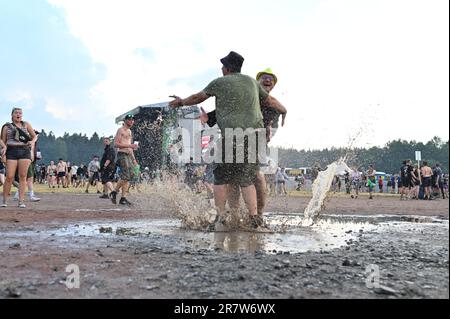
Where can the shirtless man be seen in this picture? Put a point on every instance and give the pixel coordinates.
(61, 169)
(125, 159)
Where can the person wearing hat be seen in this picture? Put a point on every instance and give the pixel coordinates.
(238, 99)
(125, 159)
(267, 79)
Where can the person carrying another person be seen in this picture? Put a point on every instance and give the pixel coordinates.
(17, 150)
(267, 79)
(237, 102)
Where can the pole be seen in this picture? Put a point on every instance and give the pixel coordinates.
(418, 171)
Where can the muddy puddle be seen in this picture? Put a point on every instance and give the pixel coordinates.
(330, 232)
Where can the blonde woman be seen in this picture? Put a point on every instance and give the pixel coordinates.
(17, 143)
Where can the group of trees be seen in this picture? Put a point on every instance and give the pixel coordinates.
(78, 148)
(387, 159)
(75, 148)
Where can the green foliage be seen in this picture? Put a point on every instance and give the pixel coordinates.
(387, 158)
(75, 148)
(78, 148)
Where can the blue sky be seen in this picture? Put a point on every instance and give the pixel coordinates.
(41, 61)
(343, 66)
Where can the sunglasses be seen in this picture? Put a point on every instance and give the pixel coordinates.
(267, 77)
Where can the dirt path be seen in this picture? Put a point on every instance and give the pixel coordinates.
(412, 258)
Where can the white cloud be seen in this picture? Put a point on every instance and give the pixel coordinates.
(21, 97)
(342, 65)
(59, 111)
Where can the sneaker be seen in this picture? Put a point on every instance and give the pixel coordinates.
(113, 197)
(22, 205)
(34, 199)
(124, 201)
(104, 196)
(4, 205)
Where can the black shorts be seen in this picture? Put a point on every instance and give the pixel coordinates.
(107, 175)
(18, 153)
(426, 181)
(406, 182)
(61, 174)
(242, 174)
(94, 177)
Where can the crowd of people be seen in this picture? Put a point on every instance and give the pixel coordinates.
(411, 182)
(18, 166)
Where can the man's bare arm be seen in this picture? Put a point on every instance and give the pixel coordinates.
(194, 99)
(272, 102)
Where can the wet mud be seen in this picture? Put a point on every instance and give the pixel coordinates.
(144, 252)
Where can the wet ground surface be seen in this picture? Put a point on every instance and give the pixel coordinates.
(144, 252)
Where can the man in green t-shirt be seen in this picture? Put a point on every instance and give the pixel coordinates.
(238, 100)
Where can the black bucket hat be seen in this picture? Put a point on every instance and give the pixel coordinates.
(233, 60)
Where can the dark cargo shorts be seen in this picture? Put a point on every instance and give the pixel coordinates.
(125, 162)
(242, 174)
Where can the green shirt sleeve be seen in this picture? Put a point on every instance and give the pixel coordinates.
(212, 88)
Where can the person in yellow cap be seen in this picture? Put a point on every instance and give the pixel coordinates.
(268, 79)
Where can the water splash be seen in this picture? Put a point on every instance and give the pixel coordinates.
(194, 210)
(320, 190)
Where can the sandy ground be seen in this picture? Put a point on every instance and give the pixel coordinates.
(411, 255)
